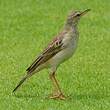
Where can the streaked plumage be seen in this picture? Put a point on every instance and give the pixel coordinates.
(60, 49)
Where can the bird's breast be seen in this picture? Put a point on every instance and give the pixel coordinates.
(66, 53)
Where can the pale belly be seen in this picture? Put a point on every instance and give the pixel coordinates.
(62, 56)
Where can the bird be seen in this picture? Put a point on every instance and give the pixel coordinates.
(60, 49)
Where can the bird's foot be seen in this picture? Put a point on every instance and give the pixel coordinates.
(57, 96)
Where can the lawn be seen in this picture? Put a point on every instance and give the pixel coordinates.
(26, 26)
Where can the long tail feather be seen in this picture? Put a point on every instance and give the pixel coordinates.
(21, 82)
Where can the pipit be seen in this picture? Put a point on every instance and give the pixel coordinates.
(60, 49)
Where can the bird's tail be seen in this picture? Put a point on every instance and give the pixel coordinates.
(21, 82)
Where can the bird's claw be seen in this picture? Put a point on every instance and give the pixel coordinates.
(57, 96)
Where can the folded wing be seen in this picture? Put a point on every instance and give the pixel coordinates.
(53, 48)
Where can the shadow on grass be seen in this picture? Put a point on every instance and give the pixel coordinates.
(87, 96)
(69, 97)
(20, 95)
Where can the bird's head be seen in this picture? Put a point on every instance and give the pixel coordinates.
(75, 16)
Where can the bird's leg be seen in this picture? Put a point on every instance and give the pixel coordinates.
(57, 91)
(56, 87)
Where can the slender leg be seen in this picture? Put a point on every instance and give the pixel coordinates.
(57, 91)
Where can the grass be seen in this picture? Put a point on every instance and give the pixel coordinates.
(25, 28)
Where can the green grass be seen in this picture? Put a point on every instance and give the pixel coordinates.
(25, 28)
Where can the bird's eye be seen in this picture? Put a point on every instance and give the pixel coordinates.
(78, 14)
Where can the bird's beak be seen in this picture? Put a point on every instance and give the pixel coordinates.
(84, 12)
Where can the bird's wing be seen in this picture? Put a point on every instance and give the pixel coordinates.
(53, 48)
